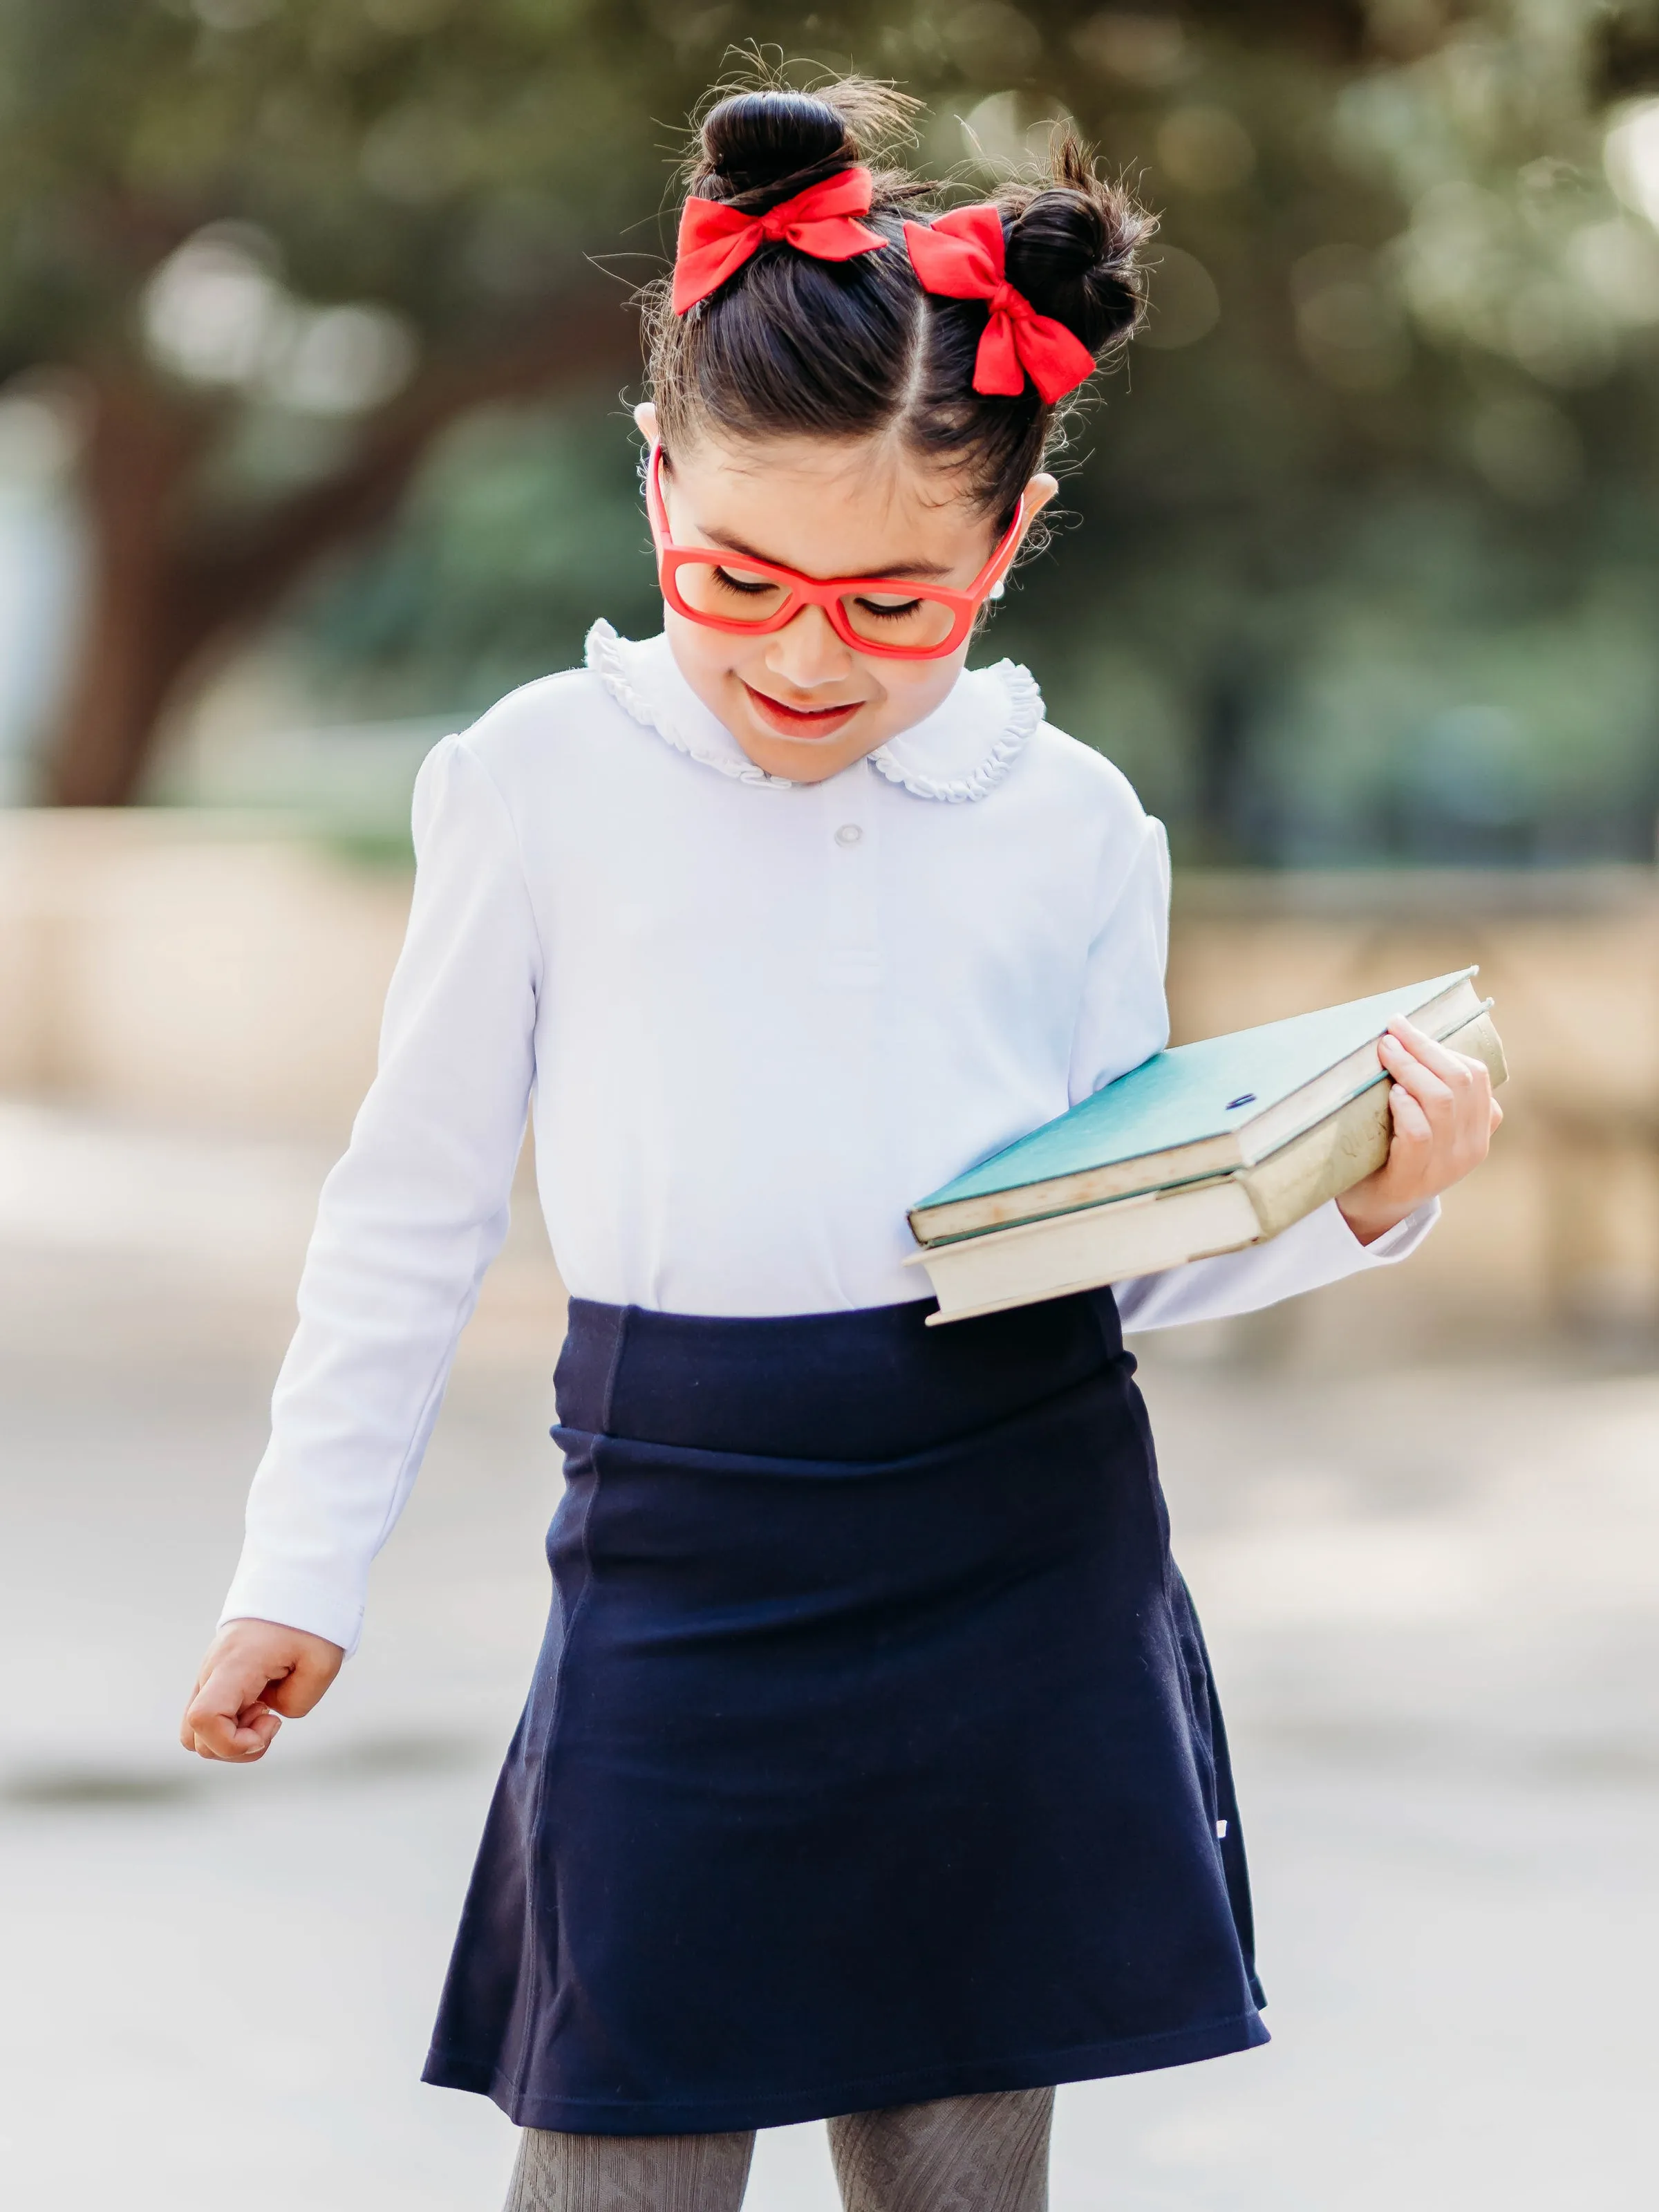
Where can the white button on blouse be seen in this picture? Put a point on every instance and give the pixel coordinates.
(754, 1022)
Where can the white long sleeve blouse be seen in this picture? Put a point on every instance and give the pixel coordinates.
(754, 1022)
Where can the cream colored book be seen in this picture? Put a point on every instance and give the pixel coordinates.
(1088, 1246)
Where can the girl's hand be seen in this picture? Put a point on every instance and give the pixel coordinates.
(1443, 1117)
(255, 1672)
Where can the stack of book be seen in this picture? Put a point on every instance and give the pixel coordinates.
(1200, 1149)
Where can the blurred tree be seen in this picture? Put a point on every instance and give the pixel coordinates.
(273, 249)
(1423, 233)
(266, 250)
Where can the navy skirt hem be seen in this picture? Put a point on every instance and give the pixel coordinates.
(589, 2116)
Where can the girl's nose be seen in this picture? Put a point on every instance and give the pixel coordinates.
(806, 651)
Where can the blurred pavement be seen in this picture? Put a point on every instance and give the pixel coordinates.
(1433, 1598)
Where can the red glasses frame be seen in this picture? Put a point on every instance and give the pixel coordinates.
(825, 591)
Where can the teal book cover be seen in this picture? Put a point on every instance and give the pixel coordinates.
(1192, 1092)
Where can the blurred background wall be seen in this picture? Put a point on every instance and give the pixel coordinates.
(207, 972)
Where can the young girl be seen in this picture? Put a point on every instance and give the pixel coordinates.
(872, 1768)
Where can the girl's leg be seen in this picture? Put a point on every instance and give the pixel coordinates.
(630, 2173)
(962, 2155)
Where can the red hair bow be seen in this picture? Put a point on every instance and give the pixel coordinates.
(960, 255)
(716, 239)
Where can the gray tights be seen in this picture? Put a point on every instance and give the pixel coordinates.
(960, 2154)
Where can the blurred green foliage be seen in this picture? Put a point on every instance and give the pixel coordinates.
(453, 159)
(1366, 538)
(522, 528)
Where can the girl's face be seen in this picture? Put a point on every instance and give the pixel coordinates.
(801, 703)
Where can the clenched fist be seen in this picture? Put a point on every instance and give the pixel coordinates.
(256, 1674)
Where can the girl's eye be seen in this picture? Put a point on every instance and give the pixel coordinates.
(747, 587)
(888, 610)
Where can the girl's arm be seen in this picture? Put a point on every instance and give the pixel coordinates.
(1319, 1248)
(408, 1221)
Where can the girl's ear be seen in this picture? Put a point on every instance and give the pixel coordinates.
(645, 419)
(1038, 492)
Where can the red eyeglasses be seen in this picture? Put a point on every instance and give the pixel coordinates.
(894, 616)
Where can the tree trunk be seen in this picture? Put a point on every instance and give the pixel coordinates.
(168, 588)
(136, 634)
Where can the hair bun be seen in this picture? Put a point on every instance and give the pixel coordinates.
(1072, 246)
(765, 145)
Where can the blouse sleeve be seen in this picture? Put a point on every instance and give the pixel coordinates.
(408, 1220)
(1123, 1020)
(1319, 1248)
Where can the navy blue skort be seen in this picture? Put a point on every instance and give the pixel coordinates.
(872, 1755)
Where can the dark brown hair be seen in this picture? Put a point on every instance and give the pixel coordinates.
(791, 346)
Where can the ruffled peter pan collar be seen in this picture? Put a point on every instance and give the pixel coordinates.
(961, 751)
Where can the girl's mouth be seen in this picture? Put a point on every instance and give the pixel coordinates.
(800, 722)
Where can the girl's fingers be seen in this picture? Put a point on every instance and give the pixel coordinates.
(255, 1672)
(227, 1717)
(216, 1736)
(296, 1693)
(1443, 1111)
(1412, 1131)
(1449, 1065)
(258, 1725)
(237, 1742)
(1458, 1101)
(1424, 1114)
(1432, 1090)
